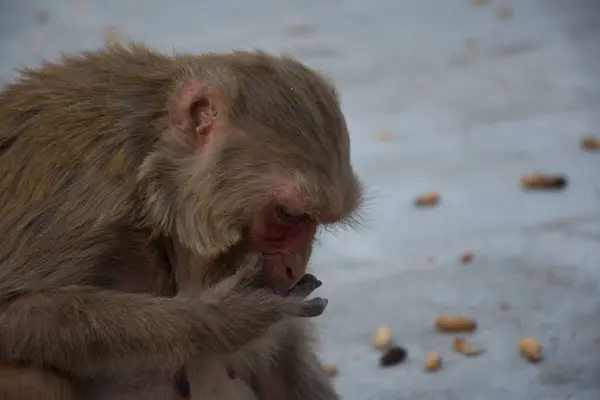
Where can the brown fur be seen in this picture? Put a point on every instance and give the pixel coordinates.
(35, 383)
(106, 210)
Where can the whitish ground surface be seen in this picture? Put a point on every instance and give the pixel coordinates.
(471, 102)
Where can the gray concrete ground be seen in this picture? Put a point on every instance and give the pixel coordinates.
(471, 101)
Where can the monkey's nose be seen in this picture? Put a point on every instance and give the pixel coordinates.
(294, 271)
(290, 274)
(284, 275)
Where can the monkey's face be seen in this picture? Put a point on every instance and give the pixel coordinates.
(285, 238)
(271, 174)
(283, 228)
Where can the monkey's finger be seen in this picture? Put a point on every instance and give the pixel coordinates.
(245, 277)
(308, 284)
(251, 270)
(313, 307)
(307, 278)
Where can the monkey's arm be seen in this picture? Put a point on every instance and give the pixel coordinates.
(85, 331)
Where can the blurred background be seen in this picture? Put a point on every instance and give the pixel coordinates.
(458, 97)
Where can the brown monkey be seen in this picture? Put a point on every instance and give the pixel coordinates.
(127, 175)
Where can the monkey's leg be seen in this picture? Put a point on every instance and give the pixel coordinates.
(281, 366)
(296, 374)
(33, 383)
(300, 377)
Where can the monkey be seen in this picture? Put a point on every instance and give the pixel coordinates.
(136, 190)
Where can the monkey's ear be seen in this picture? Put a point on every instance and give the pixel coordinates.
(195, 109)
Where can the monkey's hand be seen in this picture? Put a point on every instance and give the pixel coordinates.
(237, 311)
(245, 281)
(308, 284)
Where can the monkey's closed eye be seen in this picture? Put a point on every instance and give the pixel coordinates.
(287, 215)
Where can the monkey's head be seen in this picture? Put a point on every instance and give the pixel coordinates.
(256, 152)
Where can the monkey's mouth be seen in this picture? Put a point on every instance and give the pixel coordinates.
(261, 281)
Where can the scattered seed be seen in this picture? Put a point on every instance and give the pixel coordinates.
(392, 356)
(428, 199)
(590, 143)
(383, 337)
(433, 362)
(505, 12)
(544, 181)
(530, 349)
(455, 323)
(463, 346)
(466, 257)
(332, 370)
(384, 136)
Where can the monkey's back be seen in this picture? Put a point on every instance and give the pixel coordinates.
(73, 134)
